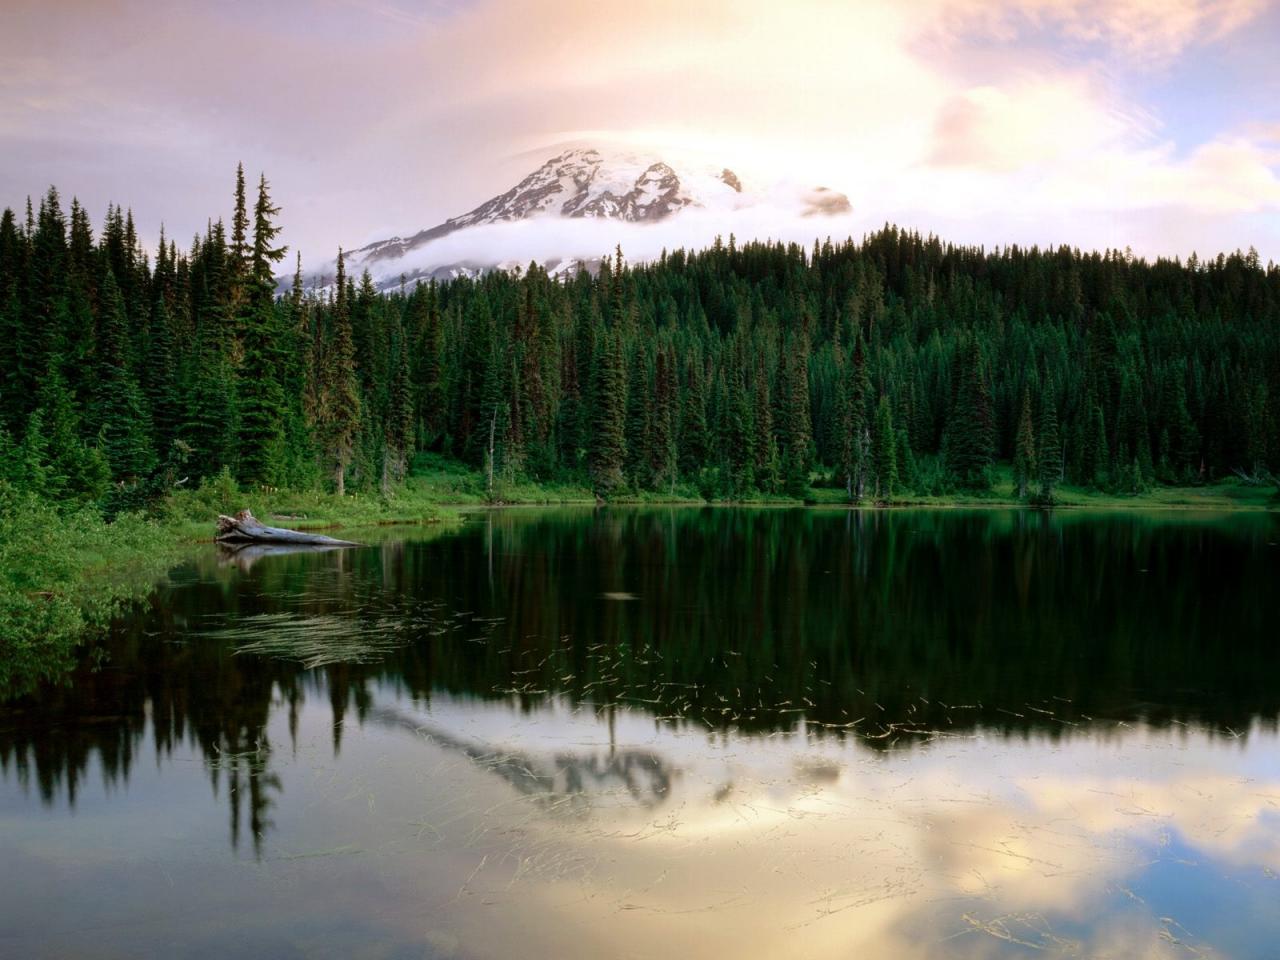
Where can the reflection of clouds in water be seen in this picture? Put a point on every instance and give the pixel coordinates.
(1235, 819)
(776, 846)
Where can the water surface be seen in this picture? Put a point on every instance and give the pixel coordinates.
(645, 733)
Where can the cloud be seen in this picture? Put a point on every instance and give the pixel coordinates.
(1149, 31)
(552, 238)
(998, 130)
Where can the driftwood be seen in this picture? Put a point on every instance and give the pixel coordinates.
(244, 527)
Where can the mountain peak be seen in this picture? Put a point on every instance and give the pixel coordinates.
(593, 183)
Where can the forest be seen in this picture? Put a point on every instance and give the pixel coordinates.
(894, 364)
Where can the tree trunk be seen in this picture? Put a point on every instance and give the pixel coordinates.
(244, 527)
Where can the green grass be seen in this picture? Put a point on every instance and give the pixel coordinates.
(190, 514)
(64, 572)
(440, 481)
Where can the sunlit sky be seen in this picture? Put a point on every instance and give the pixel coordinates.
(1153, 124)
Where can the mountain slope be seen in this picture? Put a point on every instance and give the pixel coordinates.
(585, 184)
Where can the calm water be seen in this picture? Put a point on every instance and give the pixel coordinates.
(671, 733)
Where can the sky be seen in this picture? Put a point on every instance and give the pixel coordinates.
(1148, 124)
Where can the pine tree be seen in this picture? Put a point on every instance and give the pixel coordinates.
(429, 380)
(340, 405)
(608, 448)
(1100, 455)
(796, 424)
(740, 432)
(209, 408)
(639, 422)
(768, 465)
(884, 451)
(855, 432)
(1184, 434)
(400, 422)
(161, 384)
(67, 467)
(694, 445)
(1049, 456)
(663, 448)
(971, 428)
(238, 278)
(120, 416)
(261, 393)
(1024, 459)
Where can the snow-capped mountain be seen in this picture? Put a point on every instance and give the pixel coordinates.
(579, 186)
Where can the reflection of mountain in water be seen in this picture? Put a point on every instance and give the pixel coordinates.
(889, 627)
(642, 774)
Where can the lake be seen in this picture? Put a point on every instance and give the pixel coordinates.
(671, 732)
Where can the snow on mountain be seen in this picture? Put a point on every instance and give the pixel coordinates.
(575, 203)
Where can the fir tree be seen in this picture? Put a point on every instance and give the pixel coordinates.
(1024, 458)
(262, 400)
(768, 465)
(884, 451)
(121, 419)
(161, 386)
(400, 425)
(796, 424)
(694, 446)
(340, 407)
(663, 447)
(971, 425)
(1049, 455)
(608, 448)
(855, 433)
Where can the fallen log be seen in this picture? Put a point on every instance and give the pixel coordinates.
(244, 527)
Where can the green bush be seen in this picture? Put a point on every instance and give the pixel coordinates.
(64, 572)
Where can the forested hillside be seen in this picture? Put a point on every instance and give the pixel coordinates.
(899, 363)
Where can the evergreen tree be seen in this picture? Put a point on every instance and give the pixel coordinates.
(238, 254)
(768, 464)
(161, 386)
(608, 448)
(1024, 458)
(400, 420)
(59, 463)
(971, 425)
(121, 419)
(1049, 456)
(262, 401)
(663, 447)
(796, 423)
(339, 408)
(694, 446)
(855, 432)
(884, 451)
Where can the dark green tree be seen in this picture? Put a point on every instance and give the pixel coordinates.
(971, 427)
(608, 448)
(1024, 456)
(1049, 455)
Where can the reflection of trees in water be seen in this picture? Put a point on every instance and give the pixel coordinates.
(883, 626)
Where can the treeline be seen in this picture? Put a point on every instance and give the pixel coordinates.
(896, 364)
